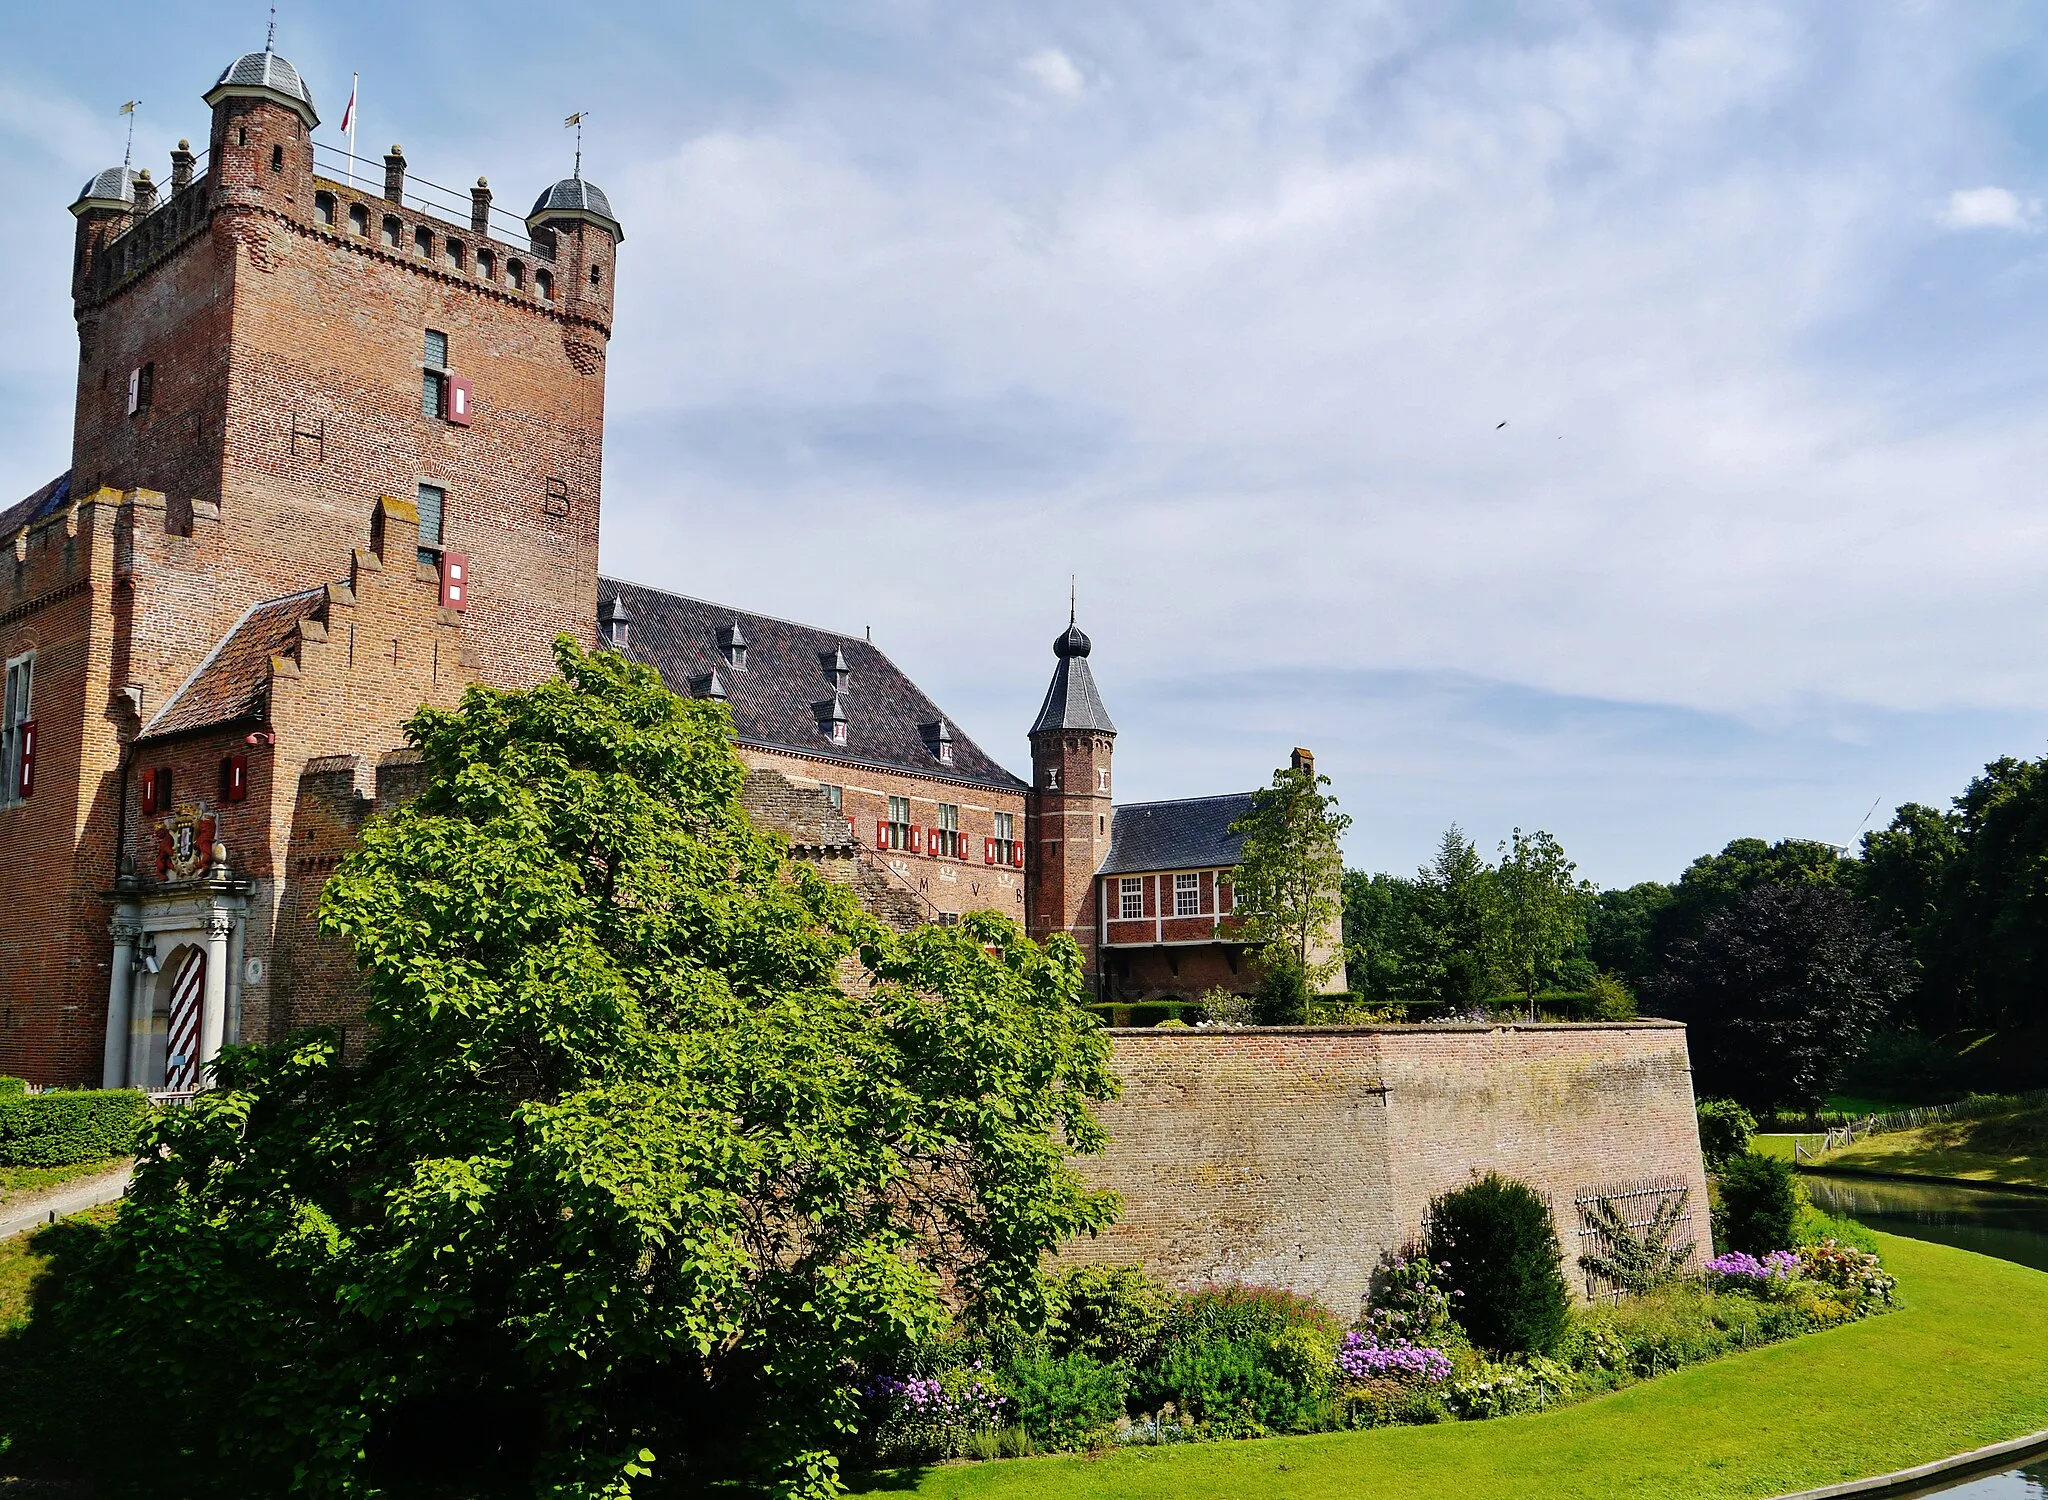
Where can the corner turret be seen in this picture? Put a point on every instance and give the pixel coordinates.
(1067, 815)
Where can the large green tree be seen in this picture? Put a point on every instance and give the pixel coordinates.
(657, 1142)
(1540, 909)
(1288, 887)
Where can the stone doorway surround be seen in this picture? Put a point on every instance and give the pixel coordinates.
(150, 923)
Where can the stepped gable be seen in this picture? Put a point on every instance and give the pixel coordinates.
(230, 684)
(787, 686)
(1192, 833)
(52, 496)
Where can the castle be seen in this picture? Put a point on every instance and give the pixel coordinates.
(337, 453)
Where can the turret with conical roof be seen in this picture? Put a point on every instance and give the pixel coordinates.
(1066, 819)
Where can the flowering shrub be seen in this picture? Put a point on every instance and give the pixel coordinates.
(1155, 1431)
(1363, 1357)
(932, 1416)
(1409, 1300)
(1739, 1271)
(1857, 1272)
(1530, 1384)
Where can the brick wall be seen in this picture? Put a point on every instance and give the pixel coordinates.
(1295, 1156)
(1068, 834)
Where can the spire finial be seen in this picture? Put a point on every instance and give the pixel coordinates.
(1071, 617)
(576, 121)
(270, 37)
(128, 109)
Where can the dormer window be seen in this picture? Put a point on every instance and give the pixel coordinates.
(836, 670)
(710, 685)
(733, 642)
(832, 719)
(938, 738)
(614, 623)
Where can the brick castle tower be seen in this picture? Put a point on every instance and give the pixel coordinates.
(336, 452)
(1067, 817)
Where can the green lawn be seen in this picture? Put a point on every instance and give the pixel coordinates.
(1780, 1146)
(1964, 1363)
(19, 1182)
(2005, 1148)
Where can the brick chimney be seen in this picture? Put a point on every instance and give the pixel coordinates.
(480, 208)
(394, 173)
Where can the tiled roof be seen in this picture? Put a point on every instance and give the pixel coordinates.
(786, 689)
(229, 684)
(1191, 834)
(1071, 702)
(52, 496)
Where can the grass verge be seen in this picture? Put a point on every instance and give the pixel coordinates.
(2004, 1148)
(19, 1182)
(1962, 1364)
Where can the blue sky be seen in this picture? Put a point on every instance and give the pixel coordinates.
(925, 307)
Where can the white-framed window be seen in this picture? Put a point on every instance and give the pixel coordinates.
(433, 504)
(948, 831)
(899, 823)
(1102, 780)
(1187, 895)
(1006, 826)
(836, 795)
(1130, 898)
(15, 743)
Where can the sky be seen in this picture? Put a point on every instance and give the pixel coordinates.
(1624, 420)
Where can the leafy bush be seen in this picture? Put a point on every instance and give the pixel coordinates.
(1234, 1387)
(1496, 1237)
(1408, 1300)
(62, 1128)
(1855, 1272)
(1759, 1204)
(1068, 1401)
(1904, 1065)
(1222, 1008)
(1725, 1129)
(1105, 1312)
(1530, 1384)
(1608, 999)
(12, 1087)
(1281, 995)
(1244, 1312)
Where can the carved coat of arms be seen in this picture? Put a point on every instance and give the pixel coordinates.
(184, 839)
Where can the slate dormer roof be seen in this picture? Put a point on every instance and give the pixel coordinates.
(1071, 702)
(774, 702)
(1192, 833)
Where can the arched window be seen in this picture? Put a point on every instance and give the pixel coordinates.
(454, 254)
(423, 243)
(544, 283)
(323, 208)
(487, 265)
(359, 220)
(392, 230)
(515, 272)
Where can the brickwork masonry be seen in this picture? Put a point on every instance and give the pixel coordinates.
(1294, 1156)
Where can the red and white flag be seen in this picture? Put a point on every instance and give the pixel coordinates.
(348, 113)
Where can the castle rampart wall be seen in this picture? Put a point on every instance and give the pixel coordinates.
(1295, 1156)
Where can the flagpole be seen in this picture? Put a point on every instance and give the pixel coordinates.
(354, 83)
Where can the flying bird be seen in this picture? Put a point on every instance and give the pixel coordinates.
(1498, 425)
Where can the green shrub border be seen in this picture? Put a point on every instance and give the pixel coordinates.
(65, 1127)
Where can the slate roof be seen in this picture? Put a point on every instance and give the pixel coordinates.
(269, 72)
(574, 195)
(786, 689)
(115, 185)
(52, 497)
(229, 684)
(1190, 834)
(1071, 702)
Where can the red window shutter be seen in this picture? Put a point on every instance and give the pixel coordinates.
(1017, 853)
(916, 839)
(458, 401)
(148, 792)
(234, 778)
(455, 580)
(26, 786)
(882, 834)
(988, 851)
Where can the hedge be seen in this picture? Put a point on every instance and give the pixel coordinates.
(62, 1128)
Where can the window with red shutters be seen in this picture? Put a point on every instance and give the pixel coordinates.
(148, 786)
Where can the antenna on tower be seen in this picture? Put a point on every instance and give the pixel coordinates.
(576, 120)
(128, 109)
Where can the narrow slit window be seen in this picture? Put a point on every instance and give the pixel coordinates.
(17, 730)
(433, 514)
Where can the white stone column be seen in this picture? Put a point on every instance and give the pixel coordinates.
(213, 1012)
(120, 985)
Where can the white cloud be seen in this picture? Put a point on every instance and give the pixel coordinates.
(1055, 72)
(1987, 208)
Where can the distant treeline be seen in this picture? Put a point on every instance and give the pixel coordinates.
(1940, 925)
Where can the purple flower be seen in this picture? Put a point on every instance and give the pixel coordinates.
(1775, 1269)
(1362, 1357)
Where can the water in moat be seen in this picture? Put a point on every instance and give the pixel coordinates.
(2010, 1226)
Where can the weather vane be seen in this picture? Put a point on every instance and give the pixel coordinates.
(128, 109)
(576, 120)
